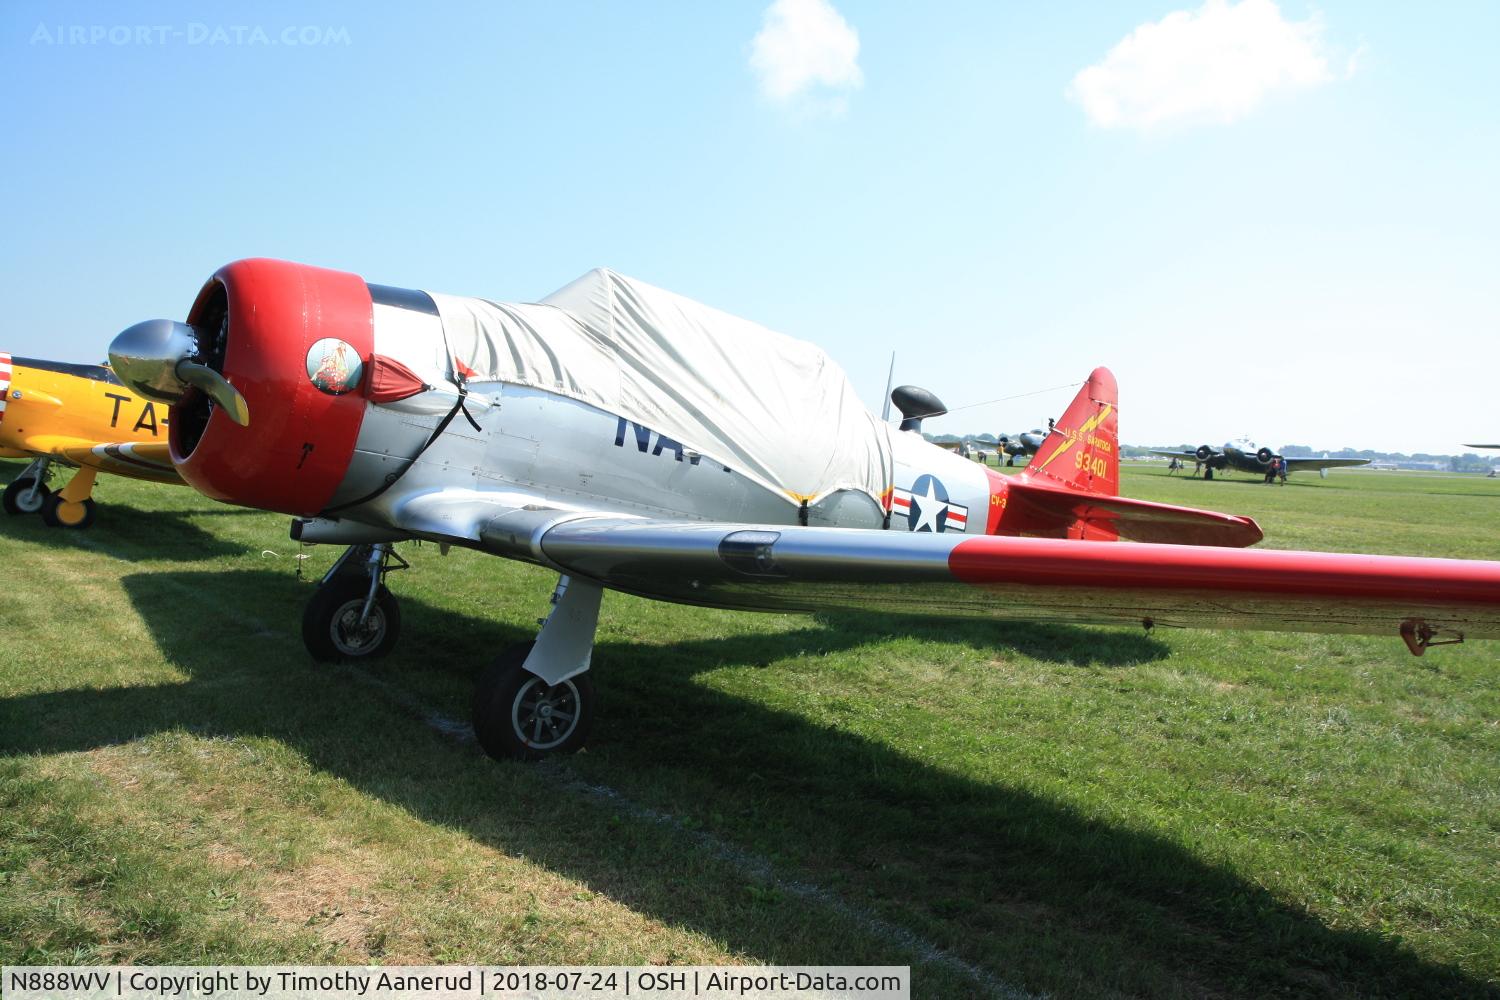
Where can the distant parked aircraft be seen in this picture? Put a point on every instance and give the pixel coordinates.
(1025, 443)
(1246, 457)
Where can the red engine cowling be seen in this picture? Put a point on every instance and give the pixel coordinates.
(296, 341)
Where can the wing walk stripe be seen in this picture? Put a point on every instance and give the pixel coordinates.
(119, 454)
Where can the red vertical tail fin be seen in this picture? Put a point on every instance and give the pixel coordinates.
(1071, 489)
(1083, 450)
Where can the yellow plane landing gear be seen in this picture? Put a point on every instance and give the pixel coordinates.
(72, 506)
(25, 496)
(28, 492)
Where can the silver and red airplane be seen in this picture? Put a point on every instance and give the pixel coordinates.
(632, 439)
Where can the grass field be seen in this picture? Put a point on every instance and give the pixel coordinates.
(1010, 809)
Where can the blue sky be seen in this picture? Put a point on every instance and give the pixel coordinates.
(1278, 220)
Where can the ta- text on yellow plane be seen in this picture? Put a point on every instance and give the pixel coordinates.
(75, 416)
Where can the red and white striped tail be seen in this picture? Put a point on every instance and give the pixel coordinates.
(4, 382)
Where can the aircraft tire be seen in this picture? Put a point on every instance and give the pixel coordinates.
(59, 513)
(518, 717)
(1208, 473)
(14, 502)
(330, 622)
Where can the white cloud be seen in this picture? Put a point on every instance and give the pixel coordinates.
(1214, 64)
(806, 52)
(1351, 65)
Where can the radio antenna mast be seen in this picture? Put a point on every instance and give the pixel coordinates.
(885, 413)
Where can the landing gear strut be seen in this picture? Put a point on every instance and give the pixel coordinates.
(537, 698)
(28, 493)
(352, 616)
(72, 506)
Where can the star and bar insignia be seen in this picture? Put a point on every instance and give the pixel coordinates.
(926, 507)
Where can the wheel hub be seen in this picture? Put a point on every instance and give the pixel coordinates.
(543, 715)
(31, 498)
(350, 636)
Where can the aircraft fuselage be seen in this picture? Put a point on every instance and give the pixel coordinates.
(532, 445)
(48, 406)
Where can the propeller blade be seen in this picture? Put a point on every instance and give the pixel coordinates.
(218, 389)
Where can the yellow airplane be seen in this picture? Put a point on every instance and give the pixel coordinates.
(75, 416)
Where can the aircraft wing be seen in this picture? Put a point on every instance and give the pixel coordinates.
(1185, 456)
(1314, 464)
(149, 461)
(781, 568)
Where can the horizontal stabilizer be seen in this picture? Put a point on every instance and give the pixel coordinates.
(1050, 512)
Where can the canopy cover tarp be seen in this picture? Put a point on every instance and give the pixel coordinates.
(771, 407)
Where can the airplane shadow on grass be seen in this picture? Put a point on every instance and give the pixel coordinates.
(1007, 880)
(133, 534)
(1079, 647)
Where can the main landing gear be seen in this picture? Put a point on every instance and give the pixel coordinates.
(535, 700)
(71, 507)
(28, 492)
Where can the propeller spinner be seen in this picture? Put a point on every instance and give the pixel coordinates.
(156, 360)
